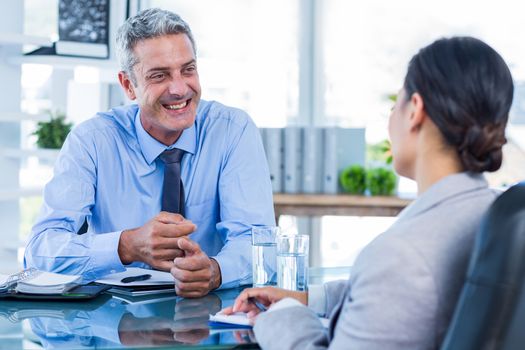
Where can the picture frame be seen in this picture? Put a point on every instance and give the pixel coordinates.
(84, 28)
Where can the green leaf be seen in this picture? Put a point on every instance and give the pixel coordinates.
(53, 133)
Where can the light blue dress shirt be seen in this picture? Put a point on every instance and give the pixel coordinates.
(108, 173)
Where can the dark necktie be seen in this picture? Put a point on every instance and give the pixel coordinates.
(172, 188)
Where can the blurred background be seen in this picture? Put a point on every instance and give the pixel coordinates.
(319, 63)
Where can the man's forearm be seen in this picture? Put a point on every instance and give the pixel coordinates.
(90, 255)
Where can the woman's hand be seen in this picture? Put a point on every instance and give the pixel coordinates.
(266, 296)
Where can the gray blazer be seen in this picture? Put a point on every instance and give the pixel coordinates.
(403, 286)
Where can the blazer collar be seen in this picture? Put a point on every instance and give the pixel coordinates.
(443, 190)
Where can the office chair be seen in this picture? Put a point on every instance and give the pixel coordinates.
(490, 313)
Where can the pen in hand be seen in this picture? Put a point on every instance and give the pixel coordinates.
(258, 304)
(136, 278)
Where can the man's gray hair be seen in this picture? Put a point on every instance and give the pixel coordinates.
(147, 24)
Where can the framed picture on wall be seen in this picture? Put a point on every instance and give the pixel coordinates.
(83, 28)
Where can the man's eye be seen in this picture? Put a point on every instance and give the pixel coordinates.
(157, 76)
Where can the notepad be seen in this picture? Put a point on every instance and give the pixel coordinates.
(48, 283)
(235, 319)
(157, 278)
(240, 319)
(33, 281)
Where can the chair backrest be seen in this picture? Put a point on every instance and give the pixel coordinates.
(490, 313)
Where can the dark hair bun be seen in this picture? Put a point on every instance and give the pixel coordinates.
(481, 149)
(467, 90)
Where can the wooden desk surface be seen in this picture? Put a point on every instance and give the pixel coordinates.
(339, 204)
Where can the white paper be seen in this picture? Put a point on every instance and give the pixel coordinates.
(47, 283)
(157, 278)
(3, 279)
(49, 279)
(238, 318)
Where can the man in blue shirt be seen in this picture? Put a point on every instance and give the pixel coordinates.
(110, 176)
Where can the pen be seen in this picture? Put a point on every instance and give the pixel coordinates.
(135, 278)
(258, 304)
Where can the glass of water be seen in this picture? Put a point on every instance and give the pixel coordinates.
(264, 252)
(292, 262)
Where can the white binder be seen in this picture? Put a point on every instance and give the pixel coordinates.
(342, 147)
(273, 145)
(312, 160)
(292, 159)
(351, 148)
(330, 175)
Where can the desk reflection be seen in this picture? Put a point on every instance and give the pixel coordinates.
(108, 322)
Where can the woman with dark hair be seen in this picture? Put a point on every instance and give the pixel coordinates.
(446, 128)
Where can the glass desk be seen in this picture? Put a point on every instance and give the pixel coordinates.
(107, 322)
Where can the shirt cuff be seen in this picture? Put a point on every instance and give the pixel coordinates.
(317, 299)
(105, 259)
(228, 267)
(284, 304)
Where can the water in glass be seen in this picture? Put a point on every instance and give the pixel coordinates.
(264, 255)
(292, 271)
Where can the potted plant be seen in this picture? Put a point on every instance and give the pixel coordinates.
(381, 181)
(353, 179)
(52, 133)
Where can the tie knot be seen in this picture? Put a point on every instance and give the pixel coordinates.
(173, 155)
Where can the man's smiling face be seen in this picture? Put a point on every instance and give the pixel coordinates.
(167, 87)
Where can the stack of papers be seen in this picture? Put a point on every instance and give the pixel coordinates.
(47, 283)
(158, 282)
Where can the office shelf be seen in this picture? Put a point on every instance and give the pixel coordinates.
(65, 62)
(47, 154)
(21, 39)
(15, 194)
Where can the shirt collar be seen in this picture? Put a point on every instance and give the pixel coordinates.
(151, 148)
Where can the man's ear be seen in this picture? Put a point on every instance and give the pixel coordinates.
(127, 85)
(417, 114)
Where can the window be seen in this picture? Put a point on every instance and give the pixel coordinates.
(247, 54)
(366, 48)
